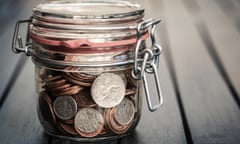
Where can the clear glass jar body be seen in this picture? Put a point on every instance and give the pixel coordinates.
(88, 67)
(87, 103)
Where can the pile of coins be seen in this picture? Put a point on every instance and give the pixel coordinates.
(87, 104)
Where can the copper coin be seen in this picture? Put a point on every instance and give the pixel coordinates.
(46, 114)
(84, 77)
(131, 91)
(71, 78)
(88, 122)
(53, 78)
(55, 83)
(65, 107)
(113, 125)
(108, 90)
(84, 99)
(104, 131)
(124, 112)
(66, 128)
(67, 91)
(59, 88)
(69, 121)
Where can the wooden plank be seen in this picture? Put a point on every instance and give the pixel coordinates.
(162, 126)
(225, 37)
(18, 116)
(211, 112)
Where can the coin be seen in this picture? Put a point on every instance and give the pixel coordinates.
(58, 86)
(113, 125)
(69, 121)
(88, 122)
(108, 90)
(124, 112)
(45, 112)
(52, 78)
(67, 91)
(84, 99)
(66, 128)
(76, 80)
(56, 83)
(65, 107)
(131, 91)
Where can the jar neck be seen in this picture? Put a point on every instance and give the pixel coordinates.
(54, 59)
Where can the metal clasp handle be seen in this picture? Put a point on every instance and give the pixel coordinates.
(17, 44)
(146, 88)
(148, 61)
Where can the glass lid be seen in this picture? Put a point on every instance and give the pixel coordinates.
(88, 9)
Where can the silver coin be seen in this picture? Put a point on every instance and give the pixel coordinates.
(88, 120)
(124, 112)
(65, 107)
(108, 90)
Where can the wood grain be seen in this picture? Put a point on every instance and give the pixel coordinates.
(225, 37)
(11, 12)
(212, 114)
(18, 116)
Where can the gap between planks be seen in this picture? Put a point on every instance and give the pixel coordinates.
(194, 9)
(17, 70)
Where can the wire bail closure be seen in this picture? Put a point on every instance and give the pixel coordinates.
(17, 43)
(148, 61)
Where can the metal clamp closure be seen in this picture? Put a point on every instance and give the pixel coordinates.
(147, 61)
(17, 44)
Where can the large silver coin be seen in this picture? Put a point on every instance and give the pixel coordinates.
(108, 90)
(88, 121)
(65, 107)
(124, 112)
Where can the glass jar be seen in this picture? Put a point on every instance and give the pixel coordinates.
(90, 58)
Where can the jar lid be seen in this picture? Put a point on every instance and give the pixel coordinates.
(88, 11)
(84, 25)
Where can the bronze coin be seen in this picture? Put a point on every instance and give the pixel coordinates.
(88, 122)
(53, 78)
(113, 125)
(84, 77)
(67, 91)
(71, 78)
(55, 83)
(131, 91)
(84, 99)
(116, 128)
(103, 132)
(46, 114)
(65, 107)
(59, 88)
(66, 128)
(69, 121)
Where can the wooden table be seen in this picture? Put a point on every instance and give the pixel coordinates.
(199, 71)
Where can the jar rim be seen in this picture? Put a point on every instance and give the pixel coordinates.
(81, 11)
